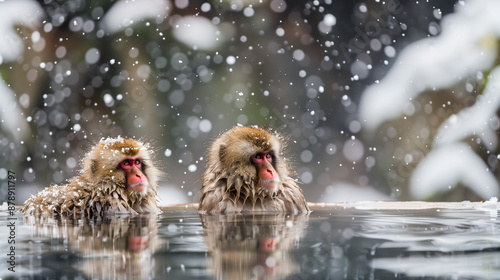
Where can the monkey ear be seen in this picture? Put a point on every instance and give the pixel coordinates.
(93, 166)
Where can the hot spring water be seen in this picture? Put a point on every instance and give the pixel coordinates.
(364, 240)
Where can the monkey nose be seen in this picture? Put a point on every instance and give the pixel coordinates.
(270, 172)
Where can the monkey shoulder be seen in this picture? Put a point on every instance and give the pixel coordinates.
(211, 200)
(293, 194)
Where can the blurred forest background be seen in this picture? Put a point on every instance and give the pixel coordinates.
(365, 90)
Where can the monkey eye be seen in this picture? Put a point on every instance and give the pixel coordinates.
(261, 156)
(127, 163)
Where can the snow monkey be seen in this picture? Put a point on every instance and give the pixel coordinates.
(247, 171)
(118, 176)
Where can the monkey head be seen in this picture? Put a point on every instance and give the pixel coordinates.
(247, 171)
(254, 154)
(124, 161)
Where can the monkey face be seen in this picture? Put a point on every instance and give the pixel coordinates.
(135, 180)
(267, 176)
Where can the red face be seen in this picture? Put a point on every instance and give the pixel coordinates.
(136, 180)
(268, 244)
(267, 175)
(137, 243)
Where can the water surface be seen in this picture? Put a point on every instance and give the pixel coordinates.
(360, 241)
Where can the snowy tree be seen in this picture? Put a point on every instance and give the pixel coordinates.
(462, 60)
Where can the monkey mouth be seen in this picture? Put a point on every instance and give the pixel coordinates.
(138, 187)
(269, 183)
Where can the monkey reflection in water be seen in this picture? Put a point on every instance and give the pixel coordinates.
(110, 248)
(118, 176)
(253, 246)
